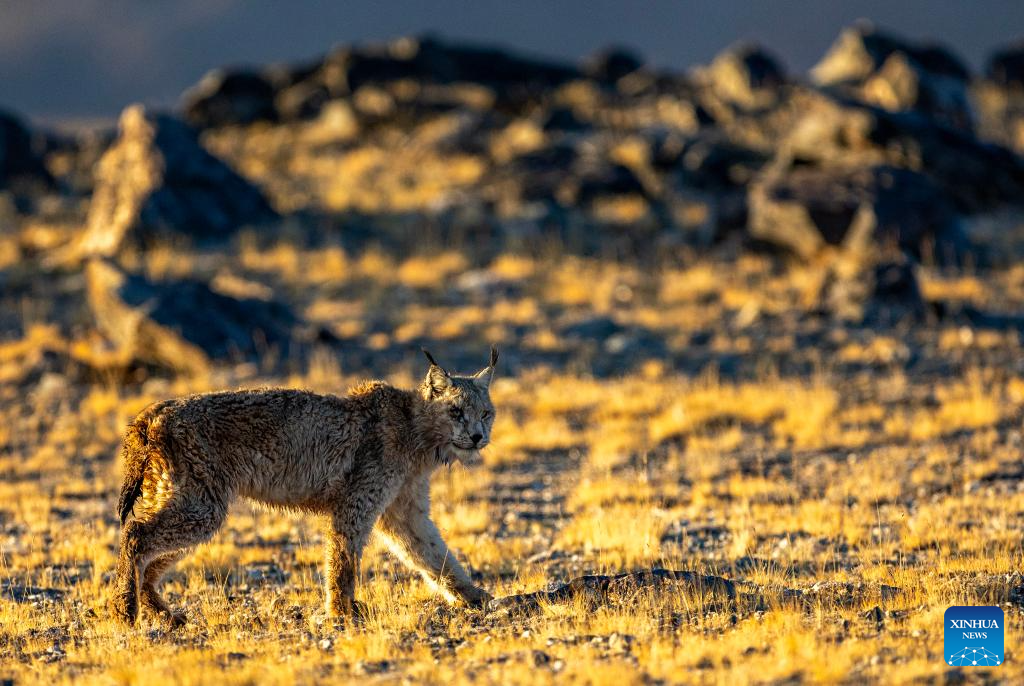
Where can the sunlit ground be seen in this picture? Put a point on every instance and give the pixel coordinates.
(851, 500)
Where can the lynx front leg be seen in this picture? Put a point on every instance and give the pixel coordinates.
(345, 542)
(410, 534)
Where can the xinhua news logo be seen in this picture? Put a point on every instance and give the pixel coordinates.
(974, 636)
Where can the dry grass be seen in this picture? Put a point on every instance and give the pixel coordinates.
(856, 479)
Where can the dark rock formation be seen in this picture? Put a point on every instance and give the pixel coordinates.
(432, 60)
(803, 209)
(746, 74)
(611, 64)
(225, 97)
(977, 176)
(884, 292)
(598, 587)
(903, 85)
(999, 98)
(898, 75)
(862, 49)
(595, 179)
(21, 166)
(597, 152)
(1000, 114)
(1006, 66)
(182, 325)
(713, 162)
(242, 97)
(158, 181)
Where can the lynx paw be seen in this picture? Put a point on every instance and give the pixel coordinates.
(173, 619)
(476, 598)
(125, 607)
(353, 613)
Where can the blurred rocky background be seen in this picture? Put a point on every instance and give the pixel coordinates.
(402, 178)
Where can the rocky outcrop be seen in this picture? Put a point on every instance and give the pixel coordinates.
(491, 142)
(157, 181)
(21, 165)
(874, 292)
(977, 176)
(849, 172)
(802, 209)
(862, 49)
(999, 98)
(183, 325)
(598, 589)
(611, 64)
(898, 75)
(242, 97)
(1006, 66)
(226, 97)
(746, 75)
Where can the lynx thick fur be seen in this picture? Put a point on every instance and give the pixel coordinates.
(362, 460)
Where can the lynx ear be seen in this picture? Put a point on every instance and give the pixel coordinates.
(437, 378)
(430, 358)
(484, 376)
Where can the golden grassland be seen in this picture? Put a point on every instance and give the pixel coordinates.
(880, 496)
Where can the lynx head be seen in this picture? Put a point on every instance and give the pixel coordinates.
(465, 402)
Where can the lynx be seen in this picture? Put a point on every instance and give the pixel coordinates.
(361, 460)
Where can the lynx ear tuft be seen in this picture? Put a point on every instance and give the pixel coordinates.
(437, 380)
(430, 358)
(484, 376)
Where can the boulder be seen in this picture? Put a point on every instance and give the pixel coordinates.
(901, 84)
(302, 101)
(21, 165)
(183, 325)
(710, 161)
(598, 178)
(443, 62)
(975, 175)
(802, 209)
(431, 61)
(875, 292)
(1000, 110)
(999, 98)
(229, 97)
(898, 75)
(72, 157)
(745, 74)
(1006, 66)
(420, 60)
(156, 180)
(862, 49)
(611, 64)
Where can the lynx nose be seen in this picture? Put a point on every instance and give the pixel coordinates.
(476, 438)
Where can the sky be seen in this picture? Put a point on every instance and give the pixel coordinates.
(87, 59)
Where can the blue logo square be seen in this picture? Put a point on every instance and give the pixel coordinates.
(974, 636)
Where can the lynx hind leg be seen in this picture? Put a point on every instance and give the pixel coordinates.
(187, 519)
(124, 603)
(408, 531)
(149, 592)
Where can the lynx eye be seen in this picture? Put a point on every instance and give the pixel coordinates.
(455, 412)
(486, 414)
